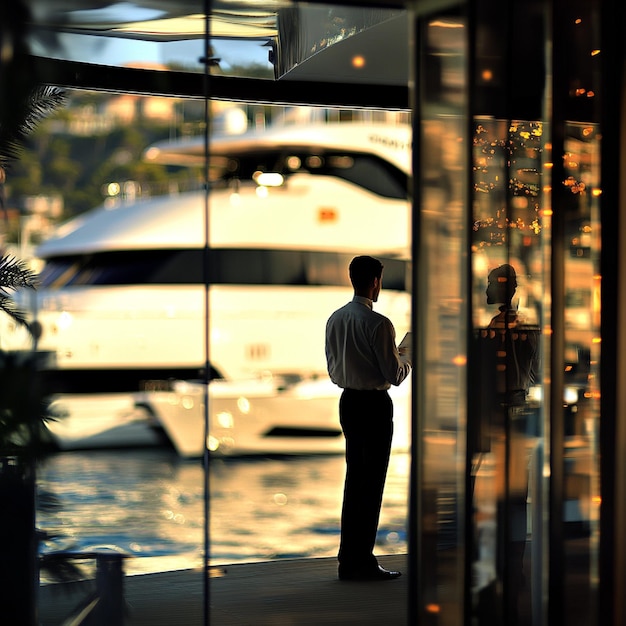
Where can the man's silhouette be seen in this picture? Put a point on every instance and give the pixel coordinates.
(507, 352)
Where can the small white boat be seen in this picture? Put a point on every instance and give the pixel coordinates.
(107, 420)
(259, 416)
(264, 416)
(270, 415)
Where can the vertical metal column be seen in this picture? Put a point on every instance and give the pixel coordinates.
(556, 549)
(207, 341)
(415, 599)
(612, 603)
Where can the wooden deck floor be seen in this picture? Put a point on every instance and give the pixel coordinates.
(296, 592)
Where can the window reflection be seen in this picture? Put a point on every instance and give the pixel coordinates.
(506, 423)
(368, 172)
(132, 34)
(512, 227)
(581, 369)
(505, 433)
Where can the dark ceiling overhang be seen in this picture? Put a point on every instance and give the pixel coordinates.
(71, 74)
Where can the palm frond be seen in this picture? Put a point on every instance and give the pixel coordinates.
(61, 567)
(40, 103)
(8, 306)
(14, 274)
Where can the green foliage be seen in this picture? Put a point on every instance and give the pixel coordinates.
(251, 70)
(56, 161)
(23, 412)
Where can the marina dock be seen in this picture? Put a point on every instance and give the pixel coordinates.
(293, 592)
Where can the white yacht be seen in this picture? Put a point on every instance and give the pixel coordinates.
(123, 302)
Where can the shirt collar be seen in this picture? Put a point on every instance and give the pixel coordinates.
(363, 300)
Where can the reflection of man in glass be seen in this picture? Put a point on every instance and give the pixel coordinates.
(501, 286)
(518, 368)
(508, 350)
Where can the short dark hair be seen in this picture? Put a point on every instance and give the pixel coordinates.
(503, 279)
(363, 270)
(504, 274)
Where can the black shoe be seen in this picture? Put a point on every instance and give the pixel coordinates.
(378, 573)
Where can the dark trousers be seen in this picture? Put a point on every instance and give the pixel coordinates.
(367, 422)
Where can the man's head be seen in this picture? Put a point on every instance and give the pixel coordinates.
(366, 276)
(501, 286)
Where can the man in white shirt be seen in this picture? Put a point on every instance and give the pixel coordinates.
(363, 360)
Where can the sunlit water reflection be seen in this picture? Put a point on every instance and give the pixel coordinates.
(150, 504)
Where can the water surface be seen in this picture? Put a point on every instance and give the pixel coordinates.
(151, 504)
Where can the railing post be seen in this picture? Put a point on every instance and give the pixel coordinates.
(110, 589)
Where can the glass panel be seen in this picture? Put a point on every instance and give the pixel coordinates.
(579, 63)
(170, 36)
(511, 317)
(341, 44)
(507, 432)
(231, 57)
(120, 306)
(581, 366)
(441, 182)
(252, 38)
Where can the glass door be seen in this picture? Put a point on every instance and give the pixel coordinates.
(508, 354)
(440, 239)
(507, 432)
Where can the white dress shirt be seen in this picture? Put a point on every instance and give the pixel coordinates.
(361, 351)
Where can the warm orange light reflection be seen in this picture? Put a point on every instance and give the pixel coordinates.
(592, 395)
(358, 62)
(596, 192)
(444, 24)
(460, 359)
(433, 608)
(487, 75)
(595, 52)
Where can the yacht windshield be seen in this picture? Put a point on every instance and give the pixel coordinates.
(368, 171)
